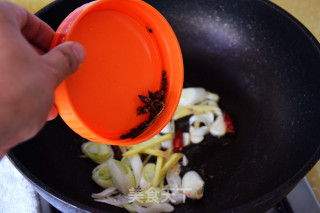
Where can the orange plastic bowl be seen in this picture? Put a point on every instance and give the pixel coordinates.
(128, 43)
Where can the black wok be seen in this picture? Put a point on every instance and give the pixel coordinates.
(265, 66)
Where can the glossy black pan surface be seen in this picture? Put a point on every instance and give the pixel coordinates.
(265, 67)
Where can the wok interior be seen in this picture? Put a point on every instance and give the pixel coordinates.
(266, 72)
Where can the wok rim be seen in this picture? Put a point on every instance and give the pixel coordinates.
(281, 190)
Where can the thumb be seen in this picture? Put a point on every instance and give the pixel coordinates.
(64, 59)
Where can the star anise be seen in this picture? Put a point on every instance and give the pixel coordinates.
(154, 105)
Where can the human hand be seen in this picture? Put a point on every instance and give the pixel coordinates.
(29, 73)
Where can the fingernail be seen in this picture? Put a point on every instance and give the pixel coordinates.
(79, 52)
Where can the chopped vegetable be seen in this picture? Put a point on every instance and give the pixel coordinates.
(105, 193)
(142, 146)
(192, 180)
(155, 152)
(169, 128)
(190, 96)
(136, 165)
(102, 176)
(173, 159)
(118, 200)
(148, 179)
(173, 177)
(122, 176)
(154, 208)
(126, 161)
(148, 174)
(146, 160)
(183, 111)
(197, 132)
(99, 153)
(212, 96)
(174, 181)
(158, 174)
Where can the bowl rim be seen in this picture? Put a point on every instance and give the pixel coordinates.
(164, 42)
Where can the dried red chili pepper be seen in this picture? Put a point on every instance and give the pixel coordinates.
(178, 141)
(228, 123)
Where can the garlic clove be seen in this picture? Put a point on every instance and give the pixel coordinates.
(218, 127)
(193, 185)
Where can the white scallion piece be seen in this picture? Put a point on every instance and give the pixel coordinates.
(197, 133)
(97, 152)
(212, 96)
(174, 182)
(106, 193)
(169, 128)
(192, 95)
(147, 177)
(122, 176)
(167, 144)
(154, 208)
(102, 175)
(136, 165)
(119, 200)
